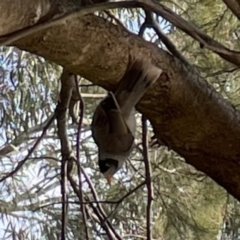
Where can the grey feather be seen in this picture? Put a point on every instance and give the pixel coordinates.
(114, 123)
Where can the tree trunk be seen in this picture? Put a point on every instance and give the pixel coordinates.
(187, 114)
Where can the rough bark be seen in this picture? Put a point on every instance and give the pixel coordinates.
(186, 112)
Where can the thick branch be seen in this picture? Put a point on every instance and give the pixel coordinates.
(187, 114)
(186, 26)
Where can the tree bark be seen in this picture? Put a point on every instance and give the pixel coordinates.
(234, 6)
(187, 114)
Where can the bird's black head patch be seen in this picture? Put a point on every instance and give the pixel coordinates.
(104, 165)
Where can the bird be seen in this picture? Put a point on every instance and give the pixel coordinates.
(114, 124)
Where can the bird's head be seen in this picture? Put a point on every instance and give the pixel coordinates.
(108, 167)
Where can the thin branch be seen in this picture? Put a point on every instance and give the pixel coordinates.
(223, 71)
(67, 82)
(23, 136)
(81, 115)
(150, 22)
(110, 15)
(20, 164)
(45, 158)
(85, 202)
(101, 211)
(96, 209)
(167, 42)
(130, 192)
(148, 177)
(64, 197)
(191, 30)
(123, 198)
(110, 231)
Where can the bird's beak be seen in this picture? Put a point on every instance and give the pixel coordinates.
(108, 178)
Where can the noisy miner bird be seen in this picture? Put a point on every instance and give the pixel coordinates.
(114, 124)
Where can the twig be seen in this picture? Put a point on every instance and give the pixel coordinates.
(101, 211)
(96, 209)
(191, 30)
(168, 43)
(20, 164)
(149, 21)
(130, 192)
(81, 115)
(64, 197)
(52, 204)
(222, 72)
(124, 197)
(110, 15)
(78, 202)
(148, 177)
(110, 232)
(44, 158)
(92, 202)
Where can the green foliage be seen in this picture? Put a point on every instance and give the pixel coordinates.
(187, 204)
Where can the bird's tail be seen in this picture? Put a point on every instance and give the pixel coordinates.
(138, 77)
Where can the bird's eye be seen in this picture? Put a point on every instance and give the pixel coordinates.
(104, 167)
(106, 164)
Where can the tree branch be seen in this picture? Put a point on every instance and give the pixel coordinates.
(234, 6)
(192, 30)
(80, 180)
(11, 38)
(156, 7)
(187, 114)
(67, 84)
(150, 22)
(106, 226)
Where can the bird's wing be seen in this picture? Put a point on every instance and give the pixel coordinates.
(99, 125)
(136, 80)
(108, 116)
(118, 144)
(113, 131)
(117, 124)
